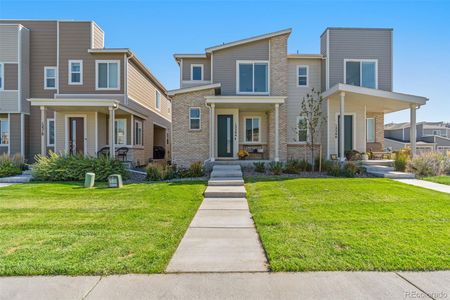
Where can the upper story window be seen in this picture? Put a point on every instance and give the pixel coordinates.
(1, 77)
(4, 131)
(302, 76)
(252, 130)
(50, 78)
(196, 72)
(194, 118)
(302, 129)
(361, 73)
(107, 74)
(252, 77)
(75, 72)
(370, 130)
(158, 100)
(50, 132)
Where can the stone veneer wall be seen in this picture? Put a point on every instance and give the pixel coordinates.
(190, 146)
(379, 131)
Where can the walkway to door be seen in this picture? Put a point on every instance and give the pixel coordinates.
(222, 236)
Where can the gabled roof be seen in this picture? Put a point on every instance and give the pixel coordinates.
(194, 89)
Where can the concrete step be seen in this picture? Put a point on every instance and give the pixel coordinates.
(24, 178)
(225, 192)
(376, 168)
(227, 167)
(226, 174)
(219, 181)
(383, 162)
(392, 174)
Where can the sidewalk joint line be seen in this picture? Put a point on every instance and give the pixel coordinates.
(93, 287)
(414, 285)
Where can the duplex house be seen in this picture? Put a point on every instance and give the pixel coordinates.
(246, 94)
(62, 90)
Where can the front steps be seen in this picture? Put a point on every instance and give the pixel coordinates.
(385, 169)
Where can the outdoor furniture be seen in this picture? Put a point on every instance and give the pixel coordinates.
(255, 151)
(103, 151)
(121, 153)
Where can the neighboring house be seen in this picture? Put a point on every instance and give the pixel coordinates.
(62, 90)
(430, 136)
(246, 95)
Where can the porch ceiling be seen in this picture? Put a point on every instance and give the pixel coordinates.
(246, 103)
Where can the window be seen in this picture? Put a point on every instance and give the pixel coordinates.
(1, 77)
(302, 76)
(361, 73)
(49, 78)
(252, 130)
(50, 132)
(302, 129)
(107, 75)
(4, 132)
(120, 132)
(194, 118)
(158, 100)
(196, 72)
(252, 77)
(370, 130)
(75, 72)
(138, 133)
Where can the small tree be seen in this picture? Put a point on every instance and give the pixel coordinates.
(311, 112)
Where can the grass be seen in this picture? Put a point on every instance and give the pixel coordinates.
(350, 224)
(438, 179)
(62, 228)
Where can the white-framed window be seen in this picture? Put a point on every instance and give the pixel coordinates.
(303, 76)
(107, 74)
(197, 72)
(252, 129)
(120, 132)
(158, 100)
(50, 78)
(252, 77)
(194, 118)
(2, 76)
(370, 130)
(50, 132)
(302, 129)
(75, 72)
(138, 133)
(361, 72)
(4, 131)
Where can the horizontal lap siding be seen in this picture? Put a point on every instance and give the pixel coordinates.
(9, 43)
(11, 79)
(187, 62)
(98, 37)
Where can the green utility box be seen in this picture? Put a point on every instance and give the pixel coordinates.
(115, 181)
(89, 180)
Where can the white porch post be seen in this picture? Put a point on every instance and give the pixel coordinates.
(212, 129)
(277, 139)
(412, 131)
(112, 141)
(43, 131)
(341, 126)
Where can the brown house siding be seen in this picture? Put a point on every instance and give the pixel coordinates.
(11, 76)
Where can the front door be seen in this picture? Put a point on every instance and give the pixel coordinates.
(348, 133)
(225, 136)
(76, 136)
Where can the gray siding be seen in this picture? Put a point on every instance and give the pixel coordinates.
(187, 62)
(396, 134)
(8, 45)
(323, 51)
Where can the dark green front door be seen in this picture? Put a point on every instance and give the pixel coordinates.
(225, 136)
(348, 133)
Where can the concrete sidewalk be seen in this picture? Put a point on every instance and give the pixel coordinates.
(308, 285)
(426, 184)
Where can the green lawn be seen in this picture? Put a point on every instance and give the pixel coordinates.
(351, 224)
(61, 228)
(438, 179)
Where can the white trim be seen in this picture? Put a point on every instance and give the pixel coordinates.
(245, 129)
(48, 132)
(201, 74)
(305, 56)
(2, 76)
(181, 71)
(157, 100)
(92, 34)
(73, 102)
(181, 56)
(9, 132)
(194, 89)
(328, 129)
(114, 132)
(253, 62)
(199, 118)
(235, 113)
(246, 99)
(45, 78)
(374, 130)
(212, 67)
(125, 80)
(57, 54)
(99, 61)
(22, 135)
(136, 122)
(132, 128)
(66, 131)
(353, 130)
(71, 61)
(327, 62)
(96, 132)
(297, 131)
(19, 72)
(195, 82)
(360, 70)
(307, 76)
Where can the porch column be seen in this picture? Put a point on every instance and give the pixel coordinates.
(43, 130)
(277, 138)
(212, 129)
(112, 141)
(341, 126)
(412, 131)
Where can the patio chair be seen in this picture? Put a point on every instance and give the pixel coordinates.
(121, 153)
(103, 151)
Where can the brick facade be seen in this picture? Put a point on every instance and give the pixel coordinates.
(379, 132)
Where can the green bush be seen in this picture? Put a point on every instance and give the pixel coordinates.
(11, 165)
(350, 169)
(160, 172)
(295, 166)
(260, 167)
(400, 161)
(196, 170)
(276, 167)
(62, 167)
(332, 168)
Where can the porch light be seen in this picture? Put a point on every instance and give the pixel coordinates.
(115, 181)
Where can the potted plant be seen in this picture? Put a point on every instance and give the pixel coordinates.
(242, 154)
(364, 156)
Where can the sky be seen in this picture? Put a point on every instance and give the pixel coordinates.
(155, 30)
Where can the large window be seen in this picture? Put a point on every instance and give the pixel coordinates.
(194, 118)
(361, 73)
(50, 132)
(302, 129)
(1, 77)
(158, 100)
(50, 78)
(252, 77)
(108, 76)
(252, 130)
(370, 130)
(138, 133)
(75, 72)
(121, 132)
(4, 132)
(196, 72)
(302, 76)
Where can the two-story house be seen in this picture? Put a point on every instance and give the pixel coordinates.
(62, 90)
(246, 95)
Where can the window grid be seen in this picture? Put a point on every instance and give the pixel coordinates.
(302, 129)
(302, 76)
(50, 78)
(252, 129)
(194, 118)
(75, 72)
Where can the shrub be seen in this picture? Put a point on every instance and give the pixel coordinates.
(292, 166)
(183, 173)
(276, 167)
(430, 164)
(352, 155)
(350, 169)
(62, 167)
(332, 168)
(400, 161)
(260, 167)
(11, 165)
(196, 170)
(160, 172)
